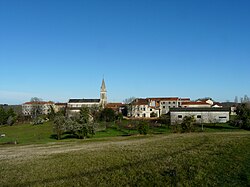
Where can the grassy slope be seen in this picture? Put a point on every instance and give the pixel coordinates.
(30, 134)
(196, 159)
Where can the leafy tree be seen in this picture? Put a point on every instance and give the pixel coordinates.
(107, 115)
(59, 125)
(188, 124)
(3, 116)
(143, 127)
(85, 115)
(242, 120)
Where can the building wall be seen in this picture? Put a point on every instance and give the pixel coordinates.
(201, 117)
(43, 108)
(196, 106)
(143, 111)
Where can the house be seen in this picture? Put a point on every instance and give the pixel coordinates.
(117, 107)
(140, 108)
(60, 106)
(74, 105)
(201, 115)
(37, 107)
(155, 106)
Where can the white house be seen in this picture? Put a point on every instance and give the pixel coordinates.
(155, 106)
(38, 107)
(140, 108)
(201, 115)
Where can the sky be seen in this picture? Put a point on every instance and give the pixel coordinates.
(56, 50)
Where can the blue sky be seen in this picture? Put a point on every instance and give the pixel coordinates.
(58, 50)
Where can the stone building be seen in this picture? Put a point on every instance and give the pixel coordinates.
(201, 115)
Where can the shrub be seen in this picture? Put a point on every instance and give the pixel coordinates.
(143, 127)
(187, 124)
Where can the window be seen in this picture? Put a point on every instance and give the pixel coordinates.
(163, 107)
(198, 116)
(163, 102)
(174, 102)
(179, 116)
(169, 102)
(150, 109)
(222, 117)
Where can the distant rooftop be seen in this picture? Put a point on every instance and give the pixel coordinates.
(199, 109)
(84, 100)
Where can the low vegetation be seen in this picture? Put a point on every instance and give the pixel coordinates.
(192, 159)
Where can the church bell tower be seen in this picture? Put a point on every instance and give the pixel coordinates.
(103, 96)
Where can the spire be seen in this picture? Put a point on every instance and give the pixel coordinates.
(103, 87)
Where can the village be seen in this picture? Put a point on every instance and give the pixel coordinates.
(204, 110)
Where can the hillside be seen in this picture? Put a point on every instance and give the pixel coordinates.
(209, 159)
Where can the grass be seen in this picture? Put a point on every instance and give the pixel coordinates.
(192, 159)
(39, 134)
(27, 133)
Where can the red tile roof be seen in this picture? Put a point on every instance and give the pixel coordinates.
(164, 98)
(114, 105)
(140, 102)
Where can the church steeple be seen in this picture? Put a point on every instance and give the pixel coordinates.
(103, 96)
(103, 87)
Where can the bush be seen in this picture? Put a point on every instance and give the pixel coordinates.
(143, 127)
(188, 124)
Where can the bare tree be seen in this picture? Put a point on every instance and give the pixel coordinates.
(236, 99)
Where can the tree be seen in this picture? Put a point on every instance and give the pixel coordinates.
(143, 127)
(188, 123)
(85, 115)
(242, 119)
(59, 126)
(35, 99)
(107, 115)
(129, 106)
(236, 99)
(3, 116)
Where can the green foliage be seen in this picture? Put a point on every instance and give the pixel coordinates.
(143, 127)
(107, 115)
(153, 114)
(188, 124)
(59, 126)
(3, 116)
(85, 116)
(7, 117)
(164, 119)
(242, 120)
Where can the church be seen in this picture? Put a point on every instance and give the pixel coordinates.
(74, 105)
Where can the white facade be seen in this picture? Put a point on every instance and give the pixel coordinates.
(143, 111)
(201, 115)
(40, 107)
(75, 105)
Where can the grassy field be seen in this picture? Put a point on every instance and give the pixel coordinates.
(192, 159)
(39, 134)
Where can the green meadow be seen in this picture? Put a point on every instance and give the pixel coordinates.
(114, 157)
